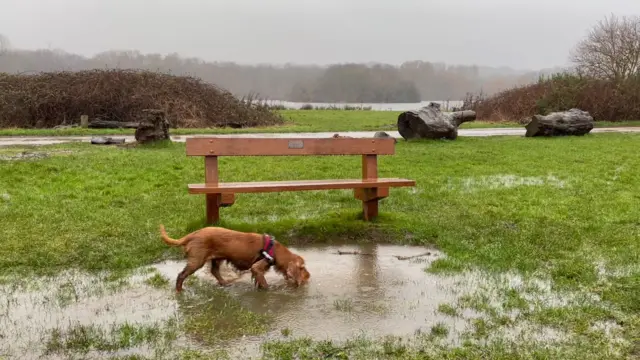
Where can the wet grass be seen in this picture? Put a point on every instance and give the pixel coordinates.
(157, 281)
(81, 339)
(344, 305)
(207, 316)
(565, 210)
(212, 315)
(428, 347)
(297, 121)
(439, 330)
(447, 310)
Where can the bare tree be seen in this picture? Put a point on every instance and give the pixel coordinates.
(611, 49)
(4, 44)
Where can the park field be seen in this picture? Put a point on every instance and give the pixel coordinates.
(296, 121)
(548, 230)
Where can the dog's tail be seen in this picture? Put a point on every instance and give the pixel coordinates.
(170, 241)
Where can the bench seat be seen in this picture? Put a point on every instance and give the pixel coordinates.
(369, 189)
(299, 185)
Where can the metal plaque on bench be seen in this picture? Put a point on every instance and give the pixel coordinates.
(296, 144)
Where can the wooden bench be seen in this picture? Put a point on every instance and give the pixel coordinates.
(369, 189)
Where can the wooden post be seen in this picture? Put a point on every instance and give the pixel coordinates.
(369, 171)
(84, 121)
(213, 200)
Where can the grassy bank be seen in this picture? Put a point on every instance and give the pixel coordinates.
(297, 121)
(563, 210)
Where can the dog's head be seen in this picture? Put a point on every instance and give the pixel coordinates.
(297, 271)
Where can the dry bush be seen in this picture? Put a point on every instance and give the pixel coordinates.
(48, 99)
(605, 100)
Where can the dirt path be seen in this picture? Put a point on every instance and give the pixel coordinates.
(46, 140)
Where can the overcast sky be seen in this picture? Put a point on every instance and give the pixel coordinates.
(523, 34)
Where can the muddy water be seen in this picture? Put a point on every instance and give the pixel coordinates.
(373, 293)
(354, 290)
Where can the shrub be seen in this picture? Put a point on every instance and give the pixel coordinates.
(51, 98)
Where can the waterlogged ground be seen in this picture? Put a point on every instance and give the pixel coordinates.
(536, 260)
(367, 290)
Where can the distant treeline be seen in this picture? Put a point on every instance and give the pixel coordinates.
(410, 82)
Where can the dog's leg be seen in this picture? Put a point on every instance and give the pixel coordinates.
(215, 271)
(257, 271)
(193, 264)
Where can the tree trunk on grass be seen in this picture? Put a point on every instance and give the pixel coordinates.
(573, 122)
(153, 127)
(431, 123)
(106, 124)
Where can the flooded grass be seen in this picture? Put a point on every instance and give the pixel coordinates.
(440, 330)
(214, 316)
(345, 305)
(447, 310)
(158, 281)
(142, 317)
(537, 254)
(82, 339)
(138, 314)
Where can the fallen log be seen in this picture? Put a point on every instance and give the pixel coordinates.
(563, 123)
(104, 140)
(430, 122)
(399, 257)
(107, 124)
(340, 252)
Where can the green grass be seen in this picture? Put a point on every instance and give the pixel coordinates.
(553, 208)
(99, 208)
(297, 121)
(429, 348)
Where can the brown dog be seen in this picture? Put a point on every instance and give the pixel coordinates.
(245, 251)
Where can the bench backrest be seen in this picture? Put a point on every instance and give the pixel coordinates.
(203, 146)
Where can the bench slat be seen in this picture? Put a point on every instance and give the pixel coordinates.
(203, 146)
(299, 185)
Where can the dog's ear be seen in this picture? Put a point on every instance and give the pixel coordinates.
(293, 270)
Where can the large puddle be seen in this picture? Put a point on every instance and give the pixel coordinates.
(374, 290)
(354, 290)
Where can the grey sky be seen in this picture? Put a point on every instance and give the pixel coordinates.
(528, 34)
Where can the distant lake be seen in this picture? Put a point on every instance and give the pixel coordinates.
(446, 105)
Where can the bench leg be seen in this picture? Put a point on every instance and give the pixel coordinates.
(215, 202)
(213, 208)
(370, 199)
(370, 209)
